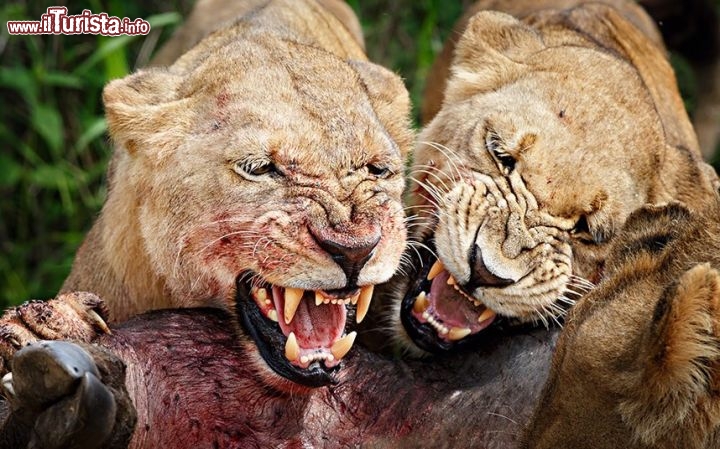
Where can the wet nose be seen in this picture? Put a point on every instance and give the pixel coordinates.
(350, 255)
(481, 276)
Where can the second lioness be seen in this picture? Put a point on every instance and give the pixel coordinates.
(555, 124)
(260, 173)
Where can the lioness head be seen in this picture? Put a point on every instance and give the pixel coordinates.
(552, 131)
(264, 175)
(638, 363)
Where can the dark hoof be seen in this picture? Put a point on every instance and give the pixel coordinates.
(59, 383)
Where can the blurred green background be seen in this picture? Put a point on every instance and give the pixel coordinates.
(52, 130)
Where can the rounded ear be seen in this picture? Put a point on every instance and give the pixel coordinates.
(490, 53)
(391, 101)
(680, 365)
(142, 110)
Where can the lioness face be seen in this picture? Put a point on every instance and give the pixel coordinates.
(518, 188)
(271, 188)
(638, 364)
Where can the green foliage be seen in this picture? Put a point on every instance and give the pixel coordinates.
(53, 132)
(406, 35)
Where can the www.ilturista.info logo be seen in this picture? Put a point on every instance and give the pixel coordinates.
(56, 21)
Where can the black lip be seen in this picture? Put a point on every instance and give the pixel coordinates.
(270, 341)
(423, 334)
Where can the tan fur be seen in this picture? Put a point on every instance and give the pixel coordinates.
(638, 364)
(581, 98)
(288, 83)
(208, 16)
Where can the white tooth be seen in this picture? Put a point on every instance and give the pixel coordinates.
(293, 296)
(421, 303)
(304, 359)
(343, 346)
(334, 301)
(261, 294)
(292, 349)
(329, 357)
(326, 301)
(318, 299)
(458, 333)
(436, 269)
(451, 281)
(7, 385)
(477, 303)
(426, 315)
(486, 315)
(363, 303)
(272, 314)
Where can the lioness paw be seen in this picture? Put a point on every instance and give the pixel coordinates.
(681, 372)
(76, 316)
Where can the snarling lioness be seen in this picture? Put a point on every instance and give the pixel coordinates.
(261, 173)
(555, 125)
(638, 363)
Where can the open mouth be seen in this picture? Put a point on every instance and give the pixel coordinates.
(436, 312)
(301, 334)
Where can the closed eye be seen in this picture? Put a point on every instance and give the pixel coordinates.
(583, 232)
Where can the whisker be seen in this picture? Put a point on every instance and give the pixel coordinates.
(449, 155)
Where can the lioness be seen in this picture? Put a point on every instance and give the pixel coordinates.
(260, 173)
(555, 125)
(638, 363)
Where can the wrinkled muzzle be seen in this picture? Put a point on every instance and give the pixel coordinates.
(497, 254)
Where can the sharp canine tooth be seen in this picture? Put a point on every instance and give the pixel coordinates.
(436, 269)
(343, 346)
(272, 314)
(486, 315)
(421, 303)
(363, 303)
(458, 333)
(293, 296)
(292, 349)
(451, 281)
(318, 298)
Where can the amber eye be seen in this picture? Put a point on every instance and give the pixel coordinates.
(379, 171)
(504, 160)
(254, 170)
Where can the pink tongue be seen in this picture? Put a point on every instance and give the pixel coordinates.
(314, 326)
(450, 306)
